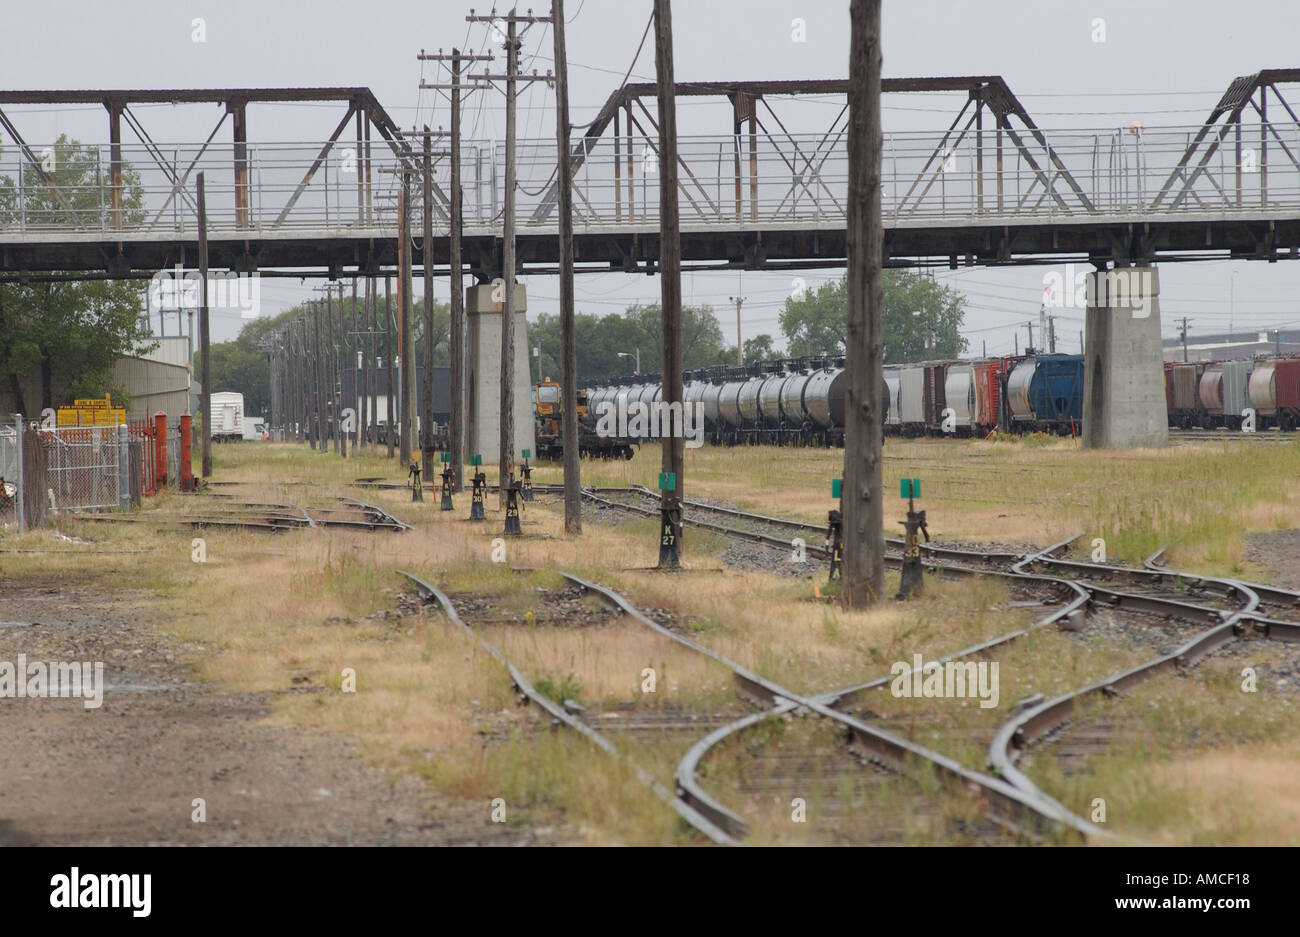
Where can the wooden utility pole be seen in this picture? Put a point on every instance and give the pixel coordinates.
(358, 363)
(507, 438)
(372, 387)
(332, 353)
(205, 337)
(670, 282)
(341, 359)
(391, 419)
(406, 343)
(507, 454)
(863, 512)
(456, 429)
(318, 438)
(568, 348)
(426, 405)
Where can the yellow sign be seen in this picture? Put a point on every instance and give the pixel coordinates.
(91, 411)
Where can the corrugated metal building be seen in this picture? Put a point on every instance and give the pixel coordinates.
(157, 380)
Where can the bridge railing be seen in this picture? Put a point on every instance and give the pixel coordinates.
(725, 182)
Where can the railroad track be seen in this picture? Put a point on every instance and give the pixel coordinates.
(263, 516)
(1049, 719)
(939, 556)
(1228, 606)
(695, 818)
(1034, 814)
(1231, 436)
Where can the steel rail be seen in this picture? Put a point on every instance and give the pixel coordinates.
(1008, 806)
(688, 767)
(937, 550)
(384, 519)
(820, 552)
(1033, 723)
(1273, 595)
(684, 810)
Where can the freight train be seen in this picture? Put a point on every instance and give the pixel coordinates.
(801, 401)
(1221, 393)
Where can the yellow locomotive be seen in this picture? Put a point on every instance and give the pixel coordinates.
(548, 413)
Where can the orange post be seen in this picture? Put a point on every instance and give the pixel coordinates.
(186, 467)
(160, 449)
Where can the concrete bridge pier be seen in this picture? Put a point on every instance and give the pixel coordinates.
(483, 311)
(1123, 372)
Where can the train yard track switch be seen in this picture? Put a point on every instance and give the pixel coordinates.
(835, 541)
(514, 490)
(447, 481)
(835, 532)
(479, 490)
(670, 522)
(526, 470)
(413, 476)
(912, 581)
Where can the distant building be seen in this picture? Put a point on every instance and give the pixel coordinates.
(152, 381)
(158, 380)
(1240, 344)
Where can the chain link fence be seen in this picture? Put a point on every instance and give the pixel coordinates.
(10, 475)
(84, 466)
(96, 468)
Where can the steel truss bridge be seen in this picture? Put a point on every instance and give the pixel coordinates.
(992, 188)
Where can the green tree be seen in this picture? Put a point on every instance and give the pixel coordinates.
(921, 319)
(71, 333)
(601, 339)
(760, 348)
(237, 368)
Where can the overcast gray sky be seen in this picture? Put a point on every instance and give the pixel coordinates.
(1163, 63)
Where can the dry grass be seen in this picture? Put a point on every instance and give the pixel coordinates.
(285, 614)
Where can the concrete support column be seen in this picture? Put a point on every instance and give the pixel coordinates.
(483, 380)
(1123, 375)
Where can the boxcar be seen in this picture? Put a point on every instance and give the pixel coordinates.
(987, 394)
(1184, 401)
(1287, 382)
(935, 399)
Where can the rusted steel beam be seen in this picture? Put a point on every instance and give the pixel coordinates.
(115, 161)
(183, 95)
(238, 111)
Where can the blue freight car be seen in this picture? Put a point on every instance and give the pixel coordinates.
(1056, 391)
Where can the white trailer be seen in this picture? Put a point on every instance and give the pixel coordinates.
(254, 428)
(227, 416)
